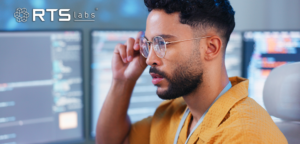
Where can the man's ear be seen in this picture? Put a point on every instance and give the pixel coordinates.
(213, 49)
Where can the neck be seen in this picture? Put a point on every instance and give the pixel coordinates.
(201, 99)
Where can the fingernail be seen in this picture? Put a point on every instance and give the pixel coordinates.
(129, 58)
(125, 60)
(136, 46)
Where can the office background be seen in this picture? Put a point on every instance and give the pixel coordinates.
(131, 15)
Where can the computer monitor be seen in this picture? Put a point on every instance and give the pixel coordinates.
(233, 55)
(144, 100)
(265, 50)
(40, 87)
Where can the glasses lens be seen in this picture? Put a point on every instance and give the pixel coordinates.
(159, 46)
(144, 47)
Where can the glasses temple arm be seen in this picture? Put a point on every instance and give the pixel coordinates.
(187, 39)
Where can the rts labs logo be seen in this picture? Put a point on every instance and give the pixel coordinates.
(21, 15)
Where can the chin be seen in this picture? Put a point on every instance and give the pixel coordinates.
(160, 90)
(161, 93)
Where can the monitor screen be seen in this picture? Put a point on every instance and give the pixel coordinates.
(233, 55)
(265, 50)
(144, 100)
(40, 87)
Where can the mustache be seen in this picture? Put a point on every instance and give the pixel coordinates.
(156, 71)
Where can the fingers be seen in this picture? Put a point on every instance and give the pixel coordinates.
(121, 50)
(137, 40)
(129, 50)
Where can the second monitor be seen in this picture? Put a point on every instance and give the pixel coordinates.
(264, 51)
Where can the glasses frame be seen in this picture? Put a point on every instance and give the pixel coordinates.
(166, 43)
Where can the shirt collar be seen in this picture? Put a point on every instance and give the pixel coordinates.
(227, 87)
(220, 108)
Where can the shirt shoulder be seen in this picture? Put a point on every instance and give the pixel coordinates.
(162, 126)
(140, 131)
(169, 109)
(247, 121)
(165, 120)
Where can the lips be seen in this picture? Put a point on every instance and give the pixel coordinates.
(156, 78)
(156, 75)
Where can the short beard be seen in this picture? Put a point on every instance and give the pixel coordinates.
(184, 81)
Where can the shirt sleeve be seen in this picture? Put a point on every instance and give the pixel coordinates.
(140, 131)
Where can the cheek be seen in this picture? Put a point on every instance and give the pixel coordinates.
(178, 52)
(177, 55)
(171, 60)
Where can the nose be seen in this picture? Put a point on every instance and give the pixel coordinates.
(153, 59)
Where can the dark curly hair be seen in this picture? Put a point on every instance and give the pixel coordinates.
(217, 14)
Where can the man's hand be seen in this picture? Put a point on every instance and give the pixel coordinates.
(127, 63)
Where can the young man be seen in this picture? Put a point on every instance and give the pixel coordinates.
(184, 43)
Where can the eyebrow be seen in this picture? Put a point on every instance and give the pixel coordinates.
(165, 36)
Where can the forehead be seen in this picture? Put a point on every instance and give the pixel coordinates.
(161, 23)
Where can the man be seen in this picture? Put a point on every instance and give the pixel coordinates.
(184, 43)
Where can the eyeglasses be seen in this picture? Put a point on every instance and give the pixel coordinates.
(159, 45)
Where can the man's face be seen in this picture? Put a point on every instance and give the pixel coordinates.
(180, 71)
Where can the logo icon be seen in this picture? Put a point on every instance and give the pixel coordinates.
(21, 15)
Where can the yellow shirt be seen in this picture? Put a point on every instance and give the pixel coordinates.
(233, 118)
